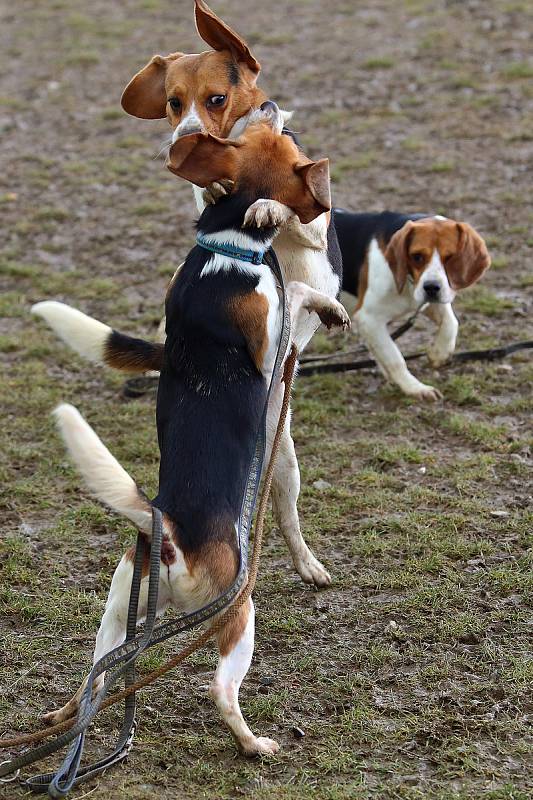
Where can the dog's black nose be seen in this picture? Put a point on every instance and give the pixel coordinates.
(432, 289)
(269, 105)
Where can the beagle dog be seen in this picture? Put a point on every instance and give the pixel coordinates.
(215, 92)
(398, 263)
(223, 323)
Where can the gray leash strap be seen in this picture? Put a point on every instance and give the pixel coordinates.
(59, 783)
(68, 775)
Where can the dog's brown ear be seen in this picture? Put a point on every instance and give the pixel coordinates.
(202, 158)
(397, 254)
(317, 195)
(145, 94)
(471, 259)
(220, 36)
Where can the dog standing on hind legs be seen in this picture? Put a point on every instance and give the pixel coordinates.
(216, 92)
(223, 327)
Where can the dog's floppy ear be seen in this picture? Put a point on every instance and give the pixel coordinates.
(397, 254)
(145, 94)
(470, 260)
(220, 36)
(317, 195)
(202, 158)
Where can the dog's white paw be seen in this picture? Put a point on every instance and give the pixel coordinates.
(312, 571)
(438, 356)
(260, 746)
(426, 393)
(267, 214)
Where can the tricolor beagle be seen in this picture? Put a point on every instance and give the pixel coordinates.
(397, 263)
(215, 92)
(223, 326)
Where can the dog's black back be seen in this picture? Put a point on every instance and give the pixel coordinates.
(211, 394)
(356, 231)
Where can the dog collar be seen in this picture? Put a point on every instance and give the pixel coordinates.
(227, 249)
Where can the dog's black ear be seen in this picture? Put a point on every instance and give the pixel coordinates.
(220, 36)
(145, 94)
(471, 259)
(397, 254)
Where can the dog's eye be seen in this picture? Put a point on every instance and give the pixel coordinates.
(174, 103)
(216, 100)
(417, 258)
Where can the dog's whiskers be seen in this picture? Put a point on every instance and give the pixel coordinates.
(164, 147)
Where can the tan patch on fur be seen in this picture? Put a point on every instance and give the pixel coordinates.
(250, 312)
(363, 281)
(129, 555)
(231, 633)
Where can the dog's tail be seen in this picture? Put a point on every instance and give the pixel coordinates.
(102, 473)
(98, 342)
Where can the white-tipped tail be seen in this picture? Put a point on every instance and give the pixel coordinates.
(102, 473)
(84, 334)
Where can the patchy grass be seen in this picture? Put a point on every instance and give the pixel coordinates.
(410, 676)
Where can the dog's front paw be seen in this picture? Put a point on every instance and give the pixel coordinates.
(424, 392)
(312, 571)
(438, 356)
(260, 746)
(331, 313)
(267, 214)
(212, 193)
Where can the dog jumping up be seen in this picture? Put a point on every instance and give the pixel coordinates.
(215, 92)
(397, 263)
(223, 315)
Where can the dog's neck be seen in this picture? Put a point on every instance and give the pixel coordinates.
(223, 224)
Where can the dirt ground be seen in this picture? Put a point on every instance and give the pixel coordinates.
(411, 675)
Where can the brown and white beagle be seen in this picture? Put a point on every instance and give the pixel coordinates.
(223, 315)
(397, 263)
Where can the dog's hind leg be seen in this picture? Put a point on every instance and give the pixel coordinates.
(286, 479)
(112, 631)
(236, 647)
(285, 491)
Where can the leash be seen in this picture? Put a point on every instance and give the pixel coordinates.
(491, 354)
(331, 356)
(59, 783)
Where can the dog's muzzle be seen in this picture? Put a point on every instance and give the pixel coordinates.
(432, 290)
(179, 132)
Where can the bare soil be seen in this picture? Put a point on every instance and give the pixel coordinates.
(411, 676)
